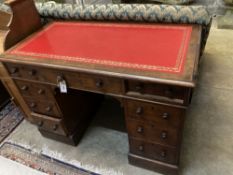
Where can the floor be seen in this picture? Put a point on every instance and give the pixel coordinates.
(208, 133)
(207, 147)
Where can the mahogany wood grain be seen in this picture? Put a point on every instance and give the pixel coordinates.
(153, 151)
(44, 107)
(168, 93)
(50, 124)
(154, 165)
(91, 82)
(24, 21)
(14, 92)
(78, 109)
(153, 132)
(163, 115)
(103, 84)
(35, 90)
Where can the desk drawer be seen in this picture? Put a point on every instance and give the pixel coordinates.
(23, 71)
(49, 124)
(43, 75)
(35, 90)
(153, 151)
(43, 107)
(152, 132)
(160, 92)
(163, 115)
(76, 80)
(102, 84)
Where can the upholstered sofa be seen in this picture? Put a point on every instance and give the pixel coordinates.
(128, 12)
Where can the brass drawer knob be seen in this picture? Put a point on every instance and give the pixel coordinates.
(165, 115)
(163, 154)
(33, 105)
(55, 127)
(139, 110)
(169, 93)
(32, 72)
(139, 87)
(48, 109)
(99, 83)
(41, 91)
(13, 70)
(164, 135)
(140, 129)
(24, 88)
(60, 78)
(41, 123)
(141, 148)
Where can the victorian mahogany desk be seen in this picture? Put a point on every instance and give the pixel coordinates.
(59, 74)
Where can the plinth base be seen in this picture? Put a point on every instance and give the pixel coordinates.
(153, 165)
(70, 140)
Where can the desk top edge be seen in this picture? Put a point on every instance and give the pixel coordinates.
(189, 82)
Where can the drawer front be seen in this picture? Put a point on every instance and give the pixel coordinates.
(41, 74)
(159, 92)
(24, 72)
(164, 115)
(29, 89)
(49, 124)
(102, 84)
(44, 107)
(76, 80)
(153, 151)
(152, 132)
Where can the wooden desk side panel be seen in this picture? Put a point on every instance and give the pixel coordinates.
(14, 92)
(24, 20)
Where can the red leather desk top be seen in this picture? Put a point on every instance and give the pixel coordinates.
(144, 47)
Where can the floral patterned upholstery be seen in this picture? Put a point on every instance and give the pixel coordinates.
(129, 12)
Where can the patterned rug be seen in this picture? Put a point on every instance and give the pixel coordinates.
(39, 161)
(10, 117)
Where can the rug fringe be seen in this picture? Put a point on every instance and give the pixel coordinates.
(58, 156)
